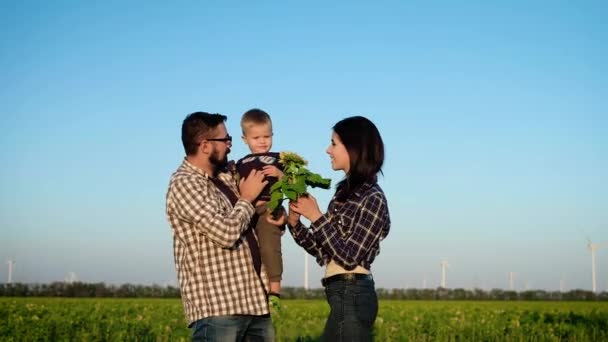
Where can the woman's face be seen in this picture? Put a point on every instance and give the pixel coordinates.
(338, 154)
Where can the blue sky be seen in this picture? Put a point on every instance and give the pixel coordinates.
(494, 118)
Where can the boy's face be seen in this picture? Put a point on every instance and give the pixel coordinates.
(259, 138)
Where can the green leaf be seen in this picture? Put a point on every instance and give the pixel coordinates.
(284, 187)
(291, 169)
(316, 180)
(276, 186)
(273, 204)
(300, 186)
(292, 195)
(276, 196)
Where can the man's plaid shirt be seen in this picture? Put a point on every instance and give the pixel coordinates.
(212, 258)
(348, 233)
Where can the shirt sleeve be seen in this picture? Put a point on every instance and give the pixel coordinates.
(304, 238)
(195, 203)
(369, 226)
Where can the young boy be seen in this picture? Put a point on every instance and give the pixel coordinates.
(257, 135)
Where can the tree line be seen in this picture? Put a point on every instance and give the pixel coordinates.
(102, 290)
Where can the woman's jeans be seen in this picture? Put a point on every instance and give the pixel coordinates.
(354, 306)
(233, 328)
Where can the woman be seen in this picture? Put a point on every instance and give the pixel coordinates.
(346, 238)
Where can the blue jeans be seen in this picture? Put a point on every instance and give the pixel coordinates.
(354, 307)
(233, 328)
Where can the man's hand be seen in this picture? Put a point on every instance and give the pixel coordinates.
(272, 171)
(306, 206)
(251, 186)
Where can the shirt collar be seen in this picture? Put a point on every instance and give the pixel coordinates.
(363, 188)
(222, 174)
(189, 166)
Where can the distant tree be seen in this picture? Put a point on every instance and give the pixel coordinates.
(510, 295)
(80, 289)
(442, 293)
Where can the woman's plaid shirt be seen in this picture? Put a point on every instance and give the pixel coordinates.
(212, 258)
(348, 233)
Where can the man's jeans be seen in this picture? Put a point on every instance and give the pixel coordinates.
(354, 306)
(233, 328)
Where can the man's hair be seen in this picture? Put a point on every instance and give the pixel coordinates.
(196, 126)
(365, 147)
(254, 117)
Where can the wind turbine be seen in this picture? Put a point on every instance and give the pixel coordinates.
(594, 247)
(71, 278)
(444, 264)
(511, 280)
(305, 270)
(10, 263)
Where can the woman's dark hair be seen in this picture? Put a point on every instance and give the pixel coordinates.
(195, 126)
(366, 152)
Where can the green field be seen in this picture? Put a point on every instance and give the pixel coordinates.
(89, 319)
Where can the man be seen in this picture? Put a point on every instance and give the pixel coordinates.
(216, 252)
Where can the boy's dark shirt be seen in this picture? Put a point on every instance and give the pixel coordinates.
(257, 161)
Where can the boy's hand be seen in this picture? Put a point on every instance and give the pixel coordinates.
(272, 171)
(280, 220)
(260, 207)
(251, 186)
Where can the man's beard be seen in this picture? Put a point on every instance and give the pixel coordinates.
(215, 160)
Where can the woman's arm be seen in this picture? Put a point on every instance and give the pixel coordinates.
(304, 238)
(370, 224)
(301, 234)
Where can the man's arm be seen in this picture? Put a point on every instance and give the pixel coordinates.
(193, 202)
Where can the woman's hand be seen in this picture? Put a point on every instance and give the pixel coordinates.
(306, 206)
(293, 218)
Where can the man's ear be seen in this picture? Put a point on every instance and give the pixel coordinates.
(204, 147)
(244, 140)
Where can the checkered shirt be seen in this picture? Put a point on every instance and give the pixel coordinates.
(213, 261)
(350, 232)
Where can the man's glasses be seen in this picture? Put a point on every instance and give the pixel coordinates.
(228, 138)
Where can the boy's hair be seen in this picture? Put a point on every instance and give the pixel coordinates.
(254, 117)
(196, 126)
